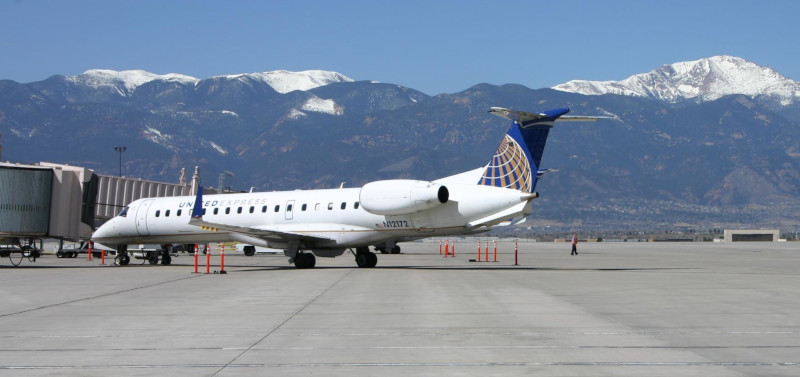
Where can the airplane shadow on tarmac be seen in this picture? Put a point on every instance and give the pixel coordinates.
(475, 268)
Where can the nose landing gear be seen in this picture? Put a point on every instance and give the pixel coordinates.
(122, 258)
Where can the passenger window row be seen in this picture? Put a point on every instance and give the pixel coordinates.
(252, 209)
(166, 213)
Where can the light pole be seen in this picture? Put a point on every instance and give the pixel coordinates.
(120, 150)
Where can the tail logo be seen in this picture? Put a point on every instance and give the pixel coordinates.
(509, 167)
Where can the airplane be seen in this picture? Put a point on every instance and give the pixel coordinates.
(325, 223)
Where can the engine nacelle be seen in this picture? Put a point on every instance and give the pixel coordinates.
(401, 196)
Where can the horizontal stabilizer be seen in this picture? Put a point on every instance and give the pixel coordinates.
(580, 118)
(524, 118)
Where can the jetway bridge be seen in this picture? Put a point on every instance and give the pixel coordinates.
(64, 202)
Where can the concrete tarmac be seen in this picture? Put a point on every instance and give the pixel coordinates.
(617, 309)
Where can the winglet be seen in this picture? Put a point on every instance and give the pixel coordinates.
(197, 211)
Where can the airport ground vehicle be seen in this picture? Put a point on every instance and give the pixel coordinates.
(17, 249)
(72, 251)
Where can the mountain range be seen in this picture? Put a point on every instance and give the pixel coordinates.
(705, 144)
(700, 81)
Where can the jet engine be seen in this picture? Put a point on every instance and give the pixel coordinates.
(401, 196)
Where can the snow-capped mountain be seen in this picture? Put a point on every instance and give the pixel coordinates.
(288, 81)
(700, 80)
(126, 82)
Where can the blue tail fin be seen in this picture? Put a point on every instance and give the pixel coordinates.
(516, 163)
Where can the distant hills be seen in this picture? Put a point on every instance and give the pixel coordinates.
(703, 144)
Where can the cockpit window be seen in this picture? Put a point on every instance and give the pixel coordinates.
(124, 212)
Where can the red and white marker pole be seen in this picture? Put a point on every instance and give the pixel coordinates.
(222, 260)
(479, 250)
(90, 250)
(454, 248)
(208, 259)
(495, 250)
(516, 253)
(195, 258)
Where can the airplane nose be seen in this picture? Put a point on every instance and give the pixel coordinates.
(104, 231)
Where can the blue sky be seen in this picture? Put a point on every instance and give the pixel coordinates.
(433, 46)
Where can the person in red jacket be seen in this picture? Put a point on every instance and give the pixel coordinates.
(574, 244)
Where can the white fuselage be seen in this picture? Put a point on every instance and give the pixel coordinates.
(334, 216)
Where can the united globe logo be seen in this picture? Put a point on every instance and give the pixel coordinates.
(509, 167)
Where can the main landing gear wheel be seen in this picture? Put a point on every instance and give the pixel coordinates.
(249, 251)
(305, 260)
(122, 260)
(365, 258)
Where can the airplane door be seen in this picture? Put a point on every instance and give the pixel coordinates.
(141, 218)
(289, 214)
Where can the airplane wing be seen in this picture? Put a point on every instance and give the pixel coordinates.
(266, 233)
(262, 232)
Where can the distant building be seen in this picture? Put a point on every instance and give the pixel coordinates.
(763, 235)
